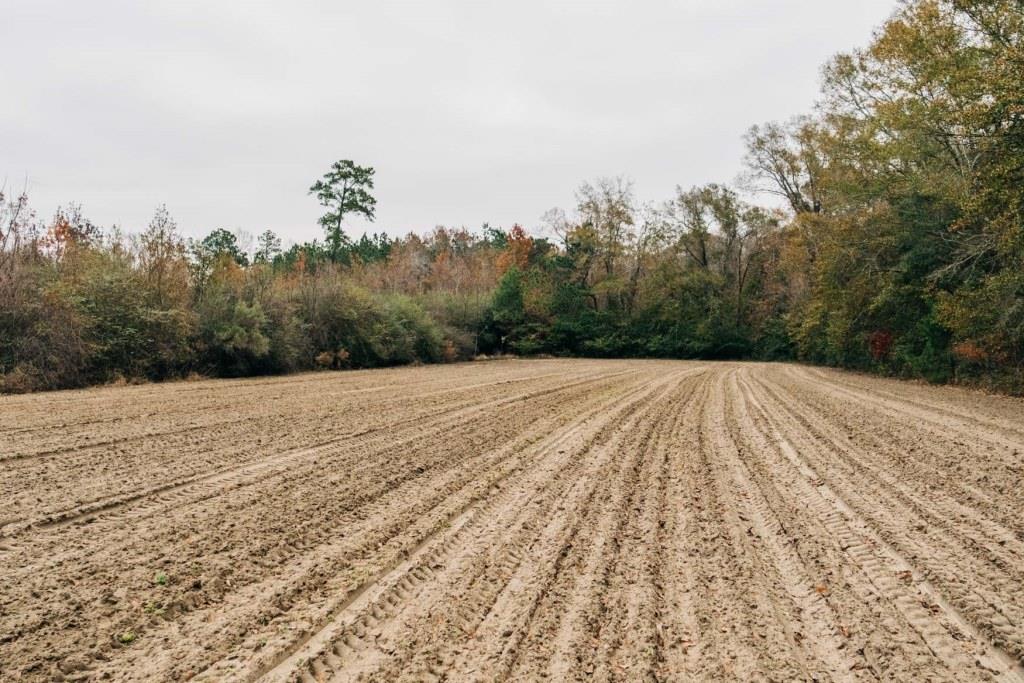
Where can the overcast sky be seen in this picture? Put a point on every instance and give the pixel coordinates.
(470, 110)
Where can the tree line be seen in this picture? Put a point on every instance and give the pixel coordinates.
(896, 246)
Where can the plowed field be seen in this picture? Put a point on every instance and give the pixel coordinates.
(515, 520)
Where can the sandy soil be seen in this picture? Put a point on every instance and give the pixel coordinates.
(517, 520)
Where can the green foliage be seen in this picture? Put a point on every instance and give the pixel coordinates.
(406, 333)
(128, 334)
(507, 309)
(462, 319)
(344, 190)
(774, 342)
(924, 351)
(234, 337)
(905, 252)
(221, 243)
(268, 247)
(42, 342)
(370, 248)
(901, 251)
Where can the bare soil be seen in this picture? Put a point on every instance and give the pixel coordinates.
(514, 520)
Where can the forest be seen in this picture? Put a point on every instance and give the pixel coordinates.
(891, 241)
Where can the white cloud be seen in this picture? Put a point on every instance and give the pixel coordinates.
(471, 111)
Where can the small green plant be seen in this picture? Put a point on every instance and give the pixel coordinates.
(126, 637)
(155, 608)
(160, 579)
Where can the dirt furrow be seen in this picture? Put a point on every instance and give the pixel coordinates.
(936, 513)
(948, 421)
(250, 556)
(237, 444)
(469, 577)
(193, 488)
(953, 543)
(852, 580)
(609, 524)
(939, 462)
(892, 559)
(394, 522)
(566, 520)
(959, 404)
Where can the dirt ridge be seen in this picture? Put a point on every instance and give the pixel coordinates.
(514, 521)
